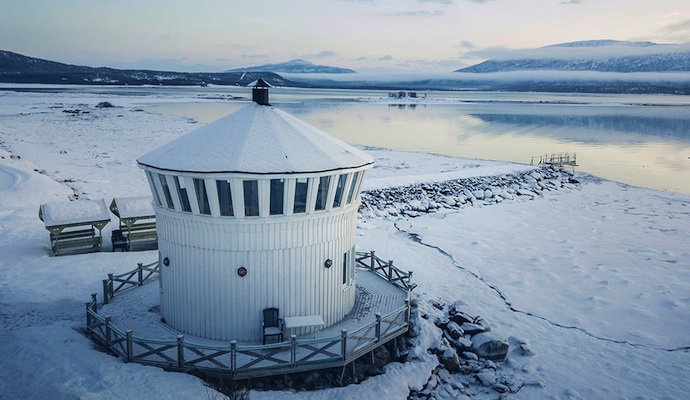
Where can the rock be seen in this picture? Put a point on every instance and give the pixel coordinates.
(490, 346)
(525, 350)
(500, 388)
(449, 360)
(442, 322)
(486, 377)
(470, 356)
(472, 329)
(381, 356)
(461, 344)
(461, 318)
(454, 330)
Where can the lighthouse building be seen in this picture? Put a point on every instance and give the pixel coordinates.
(254, 211)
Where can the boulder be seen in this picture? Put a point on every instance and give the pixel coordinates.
(454, 330)
(449, 360)
(490, 346)
(472, 329)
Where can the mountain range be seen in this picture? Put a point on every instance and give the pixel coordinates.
(17, 68)
(563, 67)
(593, 55)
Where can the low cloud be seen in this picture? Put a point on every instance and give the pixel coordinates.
(319, 55)
(465, 44)
(419, 13)
(574, 53)
(571, 2)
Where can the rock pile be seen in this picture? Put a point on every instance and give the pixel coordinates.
(472, 358)
(414, 200)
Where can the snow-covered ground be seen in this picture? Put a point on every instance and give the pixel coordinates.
(595, 278)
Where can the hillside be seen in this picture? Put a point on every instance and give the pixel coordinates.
(593, 55)
(296, 66)
(17, 68)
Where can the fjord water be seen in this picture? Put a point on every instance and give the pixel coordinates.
(642, 140)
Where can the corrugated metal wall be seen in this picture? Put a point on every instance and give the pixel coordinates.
(202, 293)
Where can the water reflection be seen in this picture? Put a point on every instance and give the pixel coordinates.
(644, 146)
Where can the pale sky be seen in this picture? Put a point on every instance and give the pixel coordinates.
(404, 35)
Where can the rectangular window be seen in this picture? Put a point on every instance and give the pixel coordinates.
(182, 192)
(353, 195)
(277, 196)
(322, 192)
(345, 268)
(301, 187)
(339, 190)
(251, 198)
(224, 198)
(201, 196)
(166, 192)
(156, 195)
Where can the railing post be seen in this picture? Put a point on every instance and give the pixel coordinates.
(180, 349)
(88, 315)
(140, 273)
(343, 342)
(373, 261)
(390, 271)
(130, 354)
(106, 297)
(378, 327)
(110, 284)
(94, 303)
(233, 355)
(293, 350)
(407, 312)
(108, 332)
(409, 279)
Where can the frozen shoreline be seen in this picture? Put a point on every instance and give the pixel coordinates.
(595, 277)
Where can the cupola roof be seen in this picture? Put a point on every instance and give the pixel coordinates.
(256, 139)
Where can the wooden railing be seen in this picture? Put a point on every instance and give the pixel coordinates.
(128, 280)
(385, 269)
(244, 361)
(557, 160)
(247, 361)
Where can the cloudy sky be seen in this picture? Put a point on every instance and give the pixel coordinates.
(405, 35)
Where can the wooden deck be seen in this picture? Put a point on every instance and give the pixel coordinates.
(130, 326)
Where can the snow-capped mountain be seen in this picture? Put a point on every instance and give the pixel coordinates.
(592, 55)
(296, 66)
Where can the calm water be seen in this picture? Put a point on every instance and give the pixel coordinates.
(639, 140)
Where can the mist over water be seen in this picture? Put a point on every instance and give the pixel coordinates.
(639, 140)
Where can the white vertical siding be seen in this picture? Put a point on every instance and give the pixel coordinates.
(203, 294)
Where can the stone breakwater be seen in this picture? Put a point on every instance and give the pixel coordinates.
(415, 200)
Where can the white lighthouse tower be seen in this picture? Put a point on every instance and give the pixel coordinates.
(254, 211)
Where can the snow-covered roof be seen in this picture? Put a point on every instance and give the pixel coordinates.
(132, 207)
(256, 139)
(74, 212)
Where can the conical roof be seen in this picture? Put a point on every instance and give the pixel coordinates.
(256, 139)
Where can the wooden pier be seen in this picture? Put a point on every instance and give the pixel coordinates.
(557, 160)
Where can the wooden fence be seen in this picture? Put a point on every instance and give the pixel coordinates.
(128, 280)
(385, 269)
(238, 361)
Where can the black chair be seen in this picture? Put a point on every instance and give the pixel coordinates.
(272, 324)
(118, 240)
